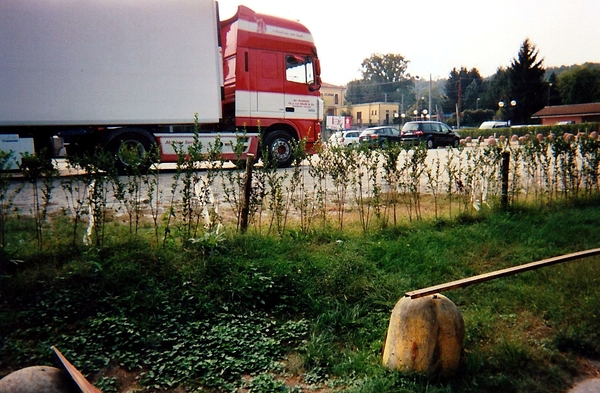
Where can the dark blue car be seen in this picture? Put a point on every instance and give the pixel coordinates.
(432, 133)
(379, 136)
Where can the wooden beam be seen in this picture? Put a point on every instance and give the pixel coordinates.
(500, 273)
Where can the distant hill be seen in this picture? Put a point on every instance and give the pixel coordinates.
(561, 69)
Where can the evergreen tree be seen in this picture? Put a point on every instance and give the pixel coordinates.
(526, 85)
(462, 88)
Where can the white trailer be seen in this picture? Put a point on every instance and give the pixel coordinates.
(128, 64)
(68, 63)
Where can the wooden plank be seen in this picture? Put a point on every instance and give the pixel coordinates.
(500, 273)
(82, 383)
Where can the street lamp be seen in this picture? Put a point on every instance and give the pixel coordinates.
(503, 104)
(549, 87)
(416, 96)
(416, 113)
(400, 117)
(401, 108)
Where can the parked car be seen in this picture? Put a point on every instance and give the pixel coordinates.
(344, 138)
(432, 133)
(379, 136)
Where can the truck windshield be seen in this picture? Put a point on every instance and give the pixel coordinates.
(300, 69)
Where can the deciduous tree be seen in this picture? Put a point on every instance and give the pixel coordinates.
(494, 89)
(580, 85)
(553, 93)
(384, 77)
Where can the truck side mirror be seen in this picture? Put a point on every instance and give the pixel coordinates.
(316, 84)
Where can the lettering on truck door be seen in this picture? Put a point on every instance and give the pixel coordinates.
(299, 75)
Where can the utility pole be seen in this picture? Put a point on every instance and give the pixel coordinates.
(402, 109)
(457, 118)
(430, 112)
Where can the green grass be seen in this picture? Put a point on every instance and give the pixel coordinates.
(298, 312)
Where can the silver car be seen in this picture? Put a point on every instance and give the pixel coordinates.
(344, 138)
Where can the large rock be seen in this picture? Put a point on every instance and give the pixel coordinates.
(38, 379)
(425, 335)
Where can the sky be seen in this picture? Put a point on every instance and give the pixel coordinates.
(436, 36)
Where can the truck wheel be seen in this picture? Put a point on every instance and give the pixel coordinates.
(132, 149)
(279, 148)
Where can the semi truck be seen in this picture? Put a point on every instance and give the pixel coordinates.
(76, 75)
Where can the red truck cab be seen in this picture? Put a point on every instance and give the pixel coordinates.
(271, 81)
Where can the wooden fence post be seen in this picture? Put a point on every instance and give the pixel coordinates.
(247, 192)
(505, 171)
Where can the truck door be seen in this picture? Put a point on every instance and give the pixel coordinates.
(299, 77)
(266, 87)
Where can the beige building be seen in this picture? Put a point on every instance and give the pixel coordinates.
(374, 114)
(333, 99)
(363, 115)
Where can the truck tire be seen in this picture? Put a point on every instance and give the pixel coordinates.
(279, 148)
(132, 149)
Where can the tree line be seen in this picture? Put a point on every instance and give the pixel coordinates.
(524, 87)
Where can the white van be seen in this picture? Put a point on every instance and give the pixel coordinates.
(487, 125)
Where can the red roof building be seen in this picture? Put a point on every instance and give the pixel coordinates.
(578, 113)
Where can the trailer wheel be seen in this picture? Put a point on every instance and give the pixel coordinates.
(132, 150)
(279, 148)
